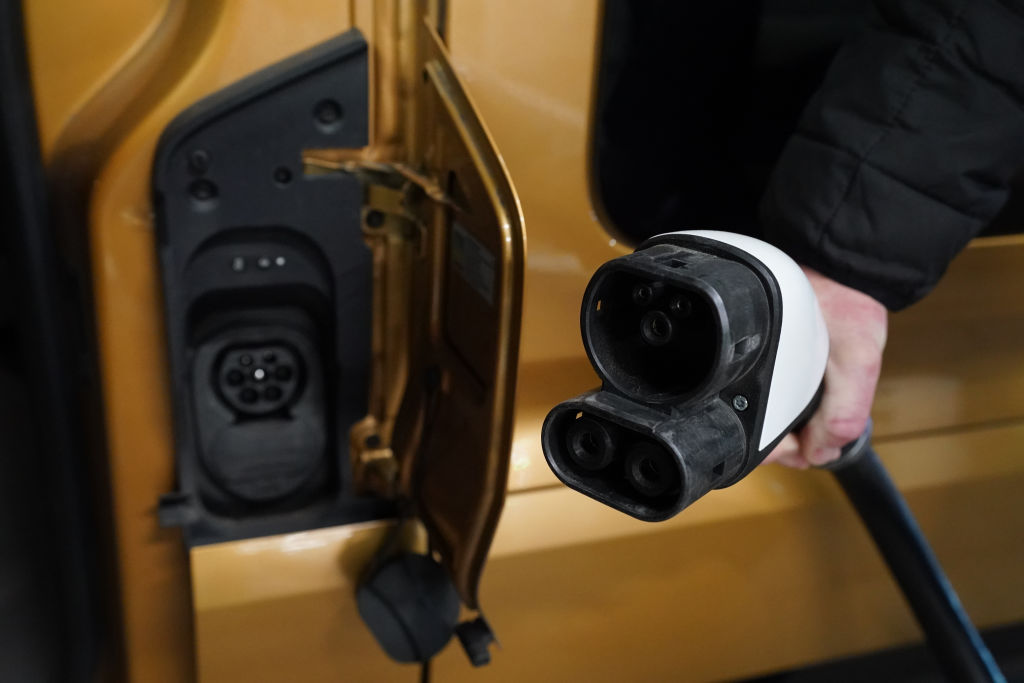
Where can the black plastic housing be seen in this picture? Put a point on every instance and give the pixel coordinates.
(712, 312)
(267, 288)
(683, 333)
(656, 465)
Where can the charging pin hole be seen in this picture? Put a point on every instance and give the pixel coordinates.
(656, 328)
(643, 294)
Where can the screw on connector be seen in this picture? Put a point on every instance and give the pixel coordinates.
(740, 402)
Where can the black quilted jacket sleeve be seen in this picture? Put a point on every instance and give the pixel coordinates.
(907, 150)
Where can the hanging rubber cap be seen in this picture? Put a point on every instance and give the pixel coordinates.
(410, 606)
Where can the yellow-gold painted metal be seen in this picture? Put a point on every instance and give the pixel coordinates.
(282, 607)
(574, 590)
(100, 161)
(76, 49)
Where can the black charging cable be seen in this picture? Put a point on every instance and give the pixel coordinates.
(952, 638)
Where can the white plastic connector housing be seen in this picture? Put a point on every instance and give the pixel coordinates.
(803, 340)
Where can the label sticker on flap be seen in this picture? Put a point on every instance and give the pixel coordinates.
(473, 261)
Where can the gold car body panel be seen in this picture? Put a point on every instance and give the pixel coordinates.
(573, 590)
(283, 608)
(104, 152)
(775, 574)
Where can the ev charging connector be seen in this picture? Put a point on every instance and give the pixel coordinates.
(711, 348)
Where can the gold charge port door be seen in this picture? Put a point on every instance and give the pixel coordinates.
(446, 229)
(454, 429)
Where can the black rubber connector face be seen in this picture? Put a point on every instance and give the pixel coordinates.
(643, 294)
(653, 340)
(650, 470)
(589, 444)
(631, 469)
(656, 328)
(667, 325)
(677, 331)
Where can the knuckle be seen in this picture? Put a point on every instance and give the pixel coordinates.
(825, 455)
(843, 429)
(866, 359)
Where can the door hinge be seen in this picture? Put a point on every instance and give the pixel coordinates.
(386, 174)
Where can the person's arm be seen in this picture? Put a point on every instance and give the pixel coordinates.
(907, 149)
(903, 155)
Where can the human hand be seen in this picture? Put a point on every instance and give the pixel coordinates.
(857, 327)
